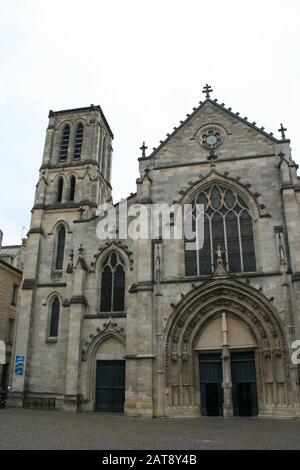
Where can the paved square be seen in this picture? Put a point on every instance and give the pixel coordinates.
(35, 429)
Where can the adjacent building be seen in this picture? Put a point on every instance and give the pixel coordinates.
(11, 265)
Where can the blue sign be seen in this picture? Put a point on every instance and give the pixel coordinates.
(19, 367)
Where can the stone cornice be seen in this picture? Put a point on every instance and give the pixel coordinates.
(28, 284)
(206, 162)
(78, 299)
(66, 205)
(141, 287)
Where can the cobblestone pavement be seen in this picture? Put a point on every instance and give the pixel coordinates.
(35, 429)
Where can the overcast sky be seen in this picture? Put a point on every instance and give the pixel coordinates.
(145, 63)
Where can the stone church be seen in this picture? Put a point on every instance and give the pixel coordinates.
(146, 326)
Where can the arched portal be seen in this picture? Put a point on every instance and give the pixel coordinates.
(104, 370)
(227, 368)
(239, 328)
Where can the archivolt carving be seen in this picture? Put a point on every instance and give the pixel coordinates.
(114, 246)
(213, 297)
(109, 329)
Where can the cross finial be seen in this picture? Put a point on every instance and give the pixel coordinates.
(282, 130)
(207, 89)
(212, 157)
(143, 148)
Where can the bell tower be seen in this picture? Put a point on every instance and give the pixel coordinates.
(77, 159)
(74, 178)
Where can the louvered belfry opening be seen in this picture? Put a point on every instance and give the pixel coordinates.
(64, 146)
(78, 142)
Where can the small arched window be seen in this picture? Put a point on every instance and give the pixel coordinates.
(72, 185)
(60, 187)
(61, 237)
(54, 319)
(112, 284)
(103, 158)
(78, 142)
(227, 223)
(64, 145)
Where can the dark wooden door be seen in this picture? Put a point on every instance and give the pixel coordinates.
(110, 386)
(211, 376)
(244, 394)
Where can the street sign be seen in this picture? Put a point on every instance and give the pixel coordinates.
(19, 366)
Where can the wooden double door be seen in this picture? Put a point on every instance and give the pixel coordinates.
(110, 386)
(243, 376)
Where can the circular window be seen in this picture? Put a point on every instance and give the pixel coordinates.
(211, 138)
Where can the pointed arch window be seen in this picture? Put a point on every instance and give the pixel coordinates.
(54, 318)
(228, 223)
(72, 185)
(60, 187)
(112, 296)
(64, 145)
(78, 142)
(61, 237)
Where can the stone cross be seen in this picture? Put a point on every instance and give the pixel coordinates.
(207, 89)
(143, 148)
(212, 157)
(282, 130)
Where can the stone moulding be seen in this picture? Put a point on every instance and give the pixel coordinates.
(214, 176)
(120, 247)
(200, 306)
(78, 299)
(28, 284)
(109, 329)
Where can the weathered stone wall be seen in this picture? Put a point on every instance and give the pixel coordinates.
(248, 160)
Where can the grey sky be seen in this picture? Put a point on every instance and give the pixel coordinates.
(145, 63)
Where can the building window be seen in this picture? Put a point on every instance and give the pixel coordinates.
(78, 142)
(60, 248)
(60, 187)
(103, 162)
(54, 320)
(228, 223)
(14, 296)
(112, 284)
(72, 188)
(11, 328)
(64, 145)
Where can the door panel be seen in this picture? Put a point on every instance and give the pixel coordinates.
(211, 376)
(110, 386)
(244, 393)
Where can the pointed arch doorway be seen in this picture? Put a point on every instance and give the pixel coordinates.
(104, 370)
(110, 386)
(227, 370)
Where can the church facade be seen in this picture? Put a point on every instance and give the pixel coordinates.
(146, 325)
